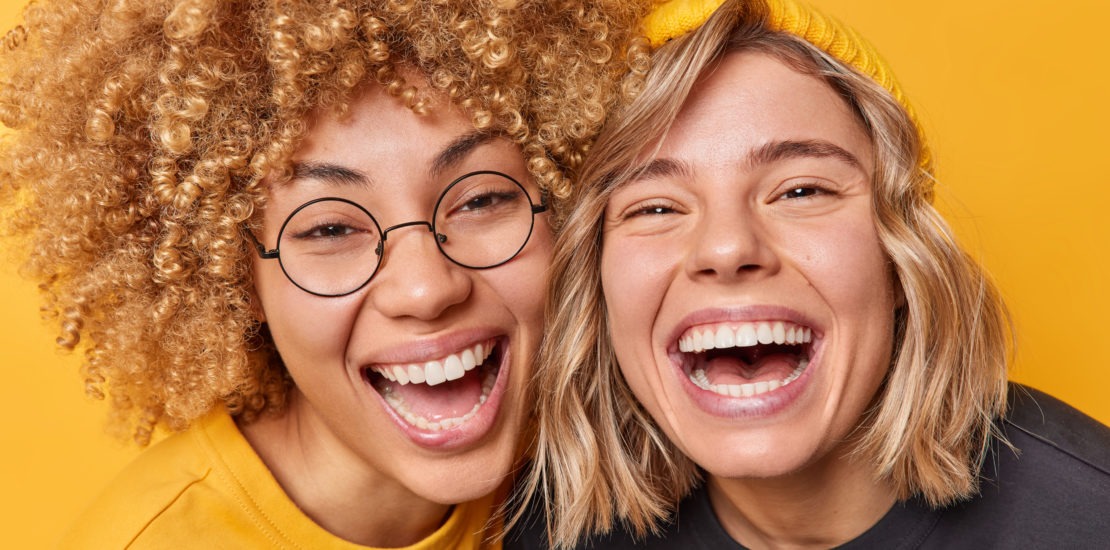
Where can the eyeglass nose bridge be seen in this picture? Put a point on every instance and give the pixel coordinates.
(440, 237)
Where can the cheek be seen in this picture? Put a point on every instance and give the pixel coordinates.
(847, 267)
(306, 330)
(850, 271)
(621, 284)
(866, 281)
(635, 280)
(521, 284)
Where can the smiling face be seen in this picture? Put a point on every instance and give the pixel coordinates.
(750, 303)
(413, 383)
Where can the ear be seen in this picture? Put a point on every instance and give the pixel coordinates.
(257, 311)
(899, 292)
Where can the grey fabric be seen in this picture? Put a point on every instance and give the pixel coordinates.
(1053, 492)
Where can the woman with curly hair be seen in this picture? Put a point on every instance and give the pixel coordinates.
(771, 333)
(310, 237)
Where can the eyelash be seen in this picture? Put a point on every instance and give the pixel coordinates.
(650, 209)
(813, 187)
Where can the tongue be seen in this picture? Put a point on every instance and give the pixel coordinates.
(450, 399)
(733, 370)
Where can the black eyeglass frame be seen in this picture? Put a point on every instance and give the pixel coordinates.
(440, 238)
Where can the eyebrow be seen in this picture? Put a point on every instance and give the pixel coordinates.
(657, 168)
(459, 149)
(329, 173)
(336, 174)
(791, 149)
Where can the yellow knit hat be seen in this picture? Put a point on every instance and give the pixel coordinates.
(675, 18)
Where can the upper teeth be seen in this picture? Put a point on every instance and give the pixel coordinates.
(452, 367)
(742, 335)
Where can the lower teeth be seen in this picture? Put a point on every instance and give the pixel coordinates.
(398, 405)
(701, 380)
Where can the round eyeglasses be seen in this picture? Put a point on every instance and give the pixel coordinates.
(332, 246)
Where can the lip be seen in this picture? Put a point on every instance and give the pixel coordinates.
(751, 407)
(486, 417)
(419, 351)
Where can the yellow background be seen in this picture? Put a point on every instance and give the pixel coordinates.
(1015, 98)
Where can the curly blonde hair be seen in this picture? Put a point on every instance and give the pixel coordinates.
(600, 457)
(143, 130)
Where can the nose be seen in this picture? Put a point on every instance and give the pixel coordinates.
(415, 279)
(731, 244)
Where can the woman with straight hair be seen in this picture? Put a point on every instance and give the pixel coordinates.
(769, 338)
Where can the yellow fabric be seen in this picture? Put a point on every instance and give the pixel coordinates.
(675, 18)
(206, 488)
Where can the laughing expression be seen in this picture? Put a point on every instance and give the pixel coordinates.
(750, 302)
(412, 383)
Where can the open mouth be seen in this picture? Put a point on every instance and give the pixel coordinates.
(745, 359)
(440, 394)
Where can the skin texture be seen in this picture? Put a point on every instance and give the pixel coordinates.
(715, 233)
(351, 464)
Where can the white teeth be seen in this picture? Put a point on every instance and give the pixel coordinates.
(701, 380)
(398, 404)
(763, 332)
(452, 367)
(416, 374)
(779, 333)
(433, 373)
(724, 338)
(745, 335)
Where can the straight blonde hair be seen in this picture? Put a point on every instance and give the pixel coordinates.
(599, 457)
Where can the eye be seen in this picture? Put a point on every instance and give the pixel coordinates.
(801, 193)
(804, 190)
(488, 200)
(481, 195)
(650, 209)
(325, 231)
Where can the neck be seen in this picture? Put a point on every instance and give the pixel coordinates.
(334, 487)
(824, 505)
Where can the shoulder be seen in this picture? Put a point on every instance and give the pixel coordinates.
(1047, 426)
(157, 489)
(1050, 487)
(1059, 455)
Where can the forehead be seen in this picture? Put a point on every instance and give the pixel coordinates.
(752, 98)
(379, 125)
